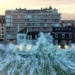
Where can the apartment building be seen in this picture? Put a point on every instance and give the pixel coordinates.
(2, 29)
(63, 35)
(17, 19)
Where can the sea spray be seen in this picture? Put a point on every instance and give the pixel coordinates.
(43, 58)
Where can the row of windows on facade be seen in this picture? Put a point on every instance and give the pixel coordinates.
(1, 25)
(63, 29)
(13, 28)
(21, 37)
(1, 32)
(1, 28)
(44, 28)
(32, 20)
(1, 36)
(33, 24)
(1, 17)
(32, 16)
(28, 37)
(63, 42)
(22, 20)
(11, 34)
(63, 35)
(2, 20)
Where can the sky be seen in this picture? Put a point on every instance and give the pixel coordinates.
(65, 7)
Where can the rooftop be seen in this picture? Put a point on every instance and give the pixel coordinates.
(23, 30)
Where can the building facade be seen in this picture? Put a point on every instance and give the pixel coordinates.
(19, 18)
(73, 34)
(21, 36)
(62, 35)
(2, 29)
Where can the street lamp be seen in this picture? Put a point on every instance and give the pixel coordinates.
(59, 46)
(66, 46)
(29, 46)
(20, 47)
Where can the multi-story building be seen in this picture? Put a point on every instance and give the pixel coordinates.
(62, 35)
(19, 18)
(2, 29)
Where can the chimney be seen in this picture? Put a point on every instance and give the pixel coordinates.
(16, 8)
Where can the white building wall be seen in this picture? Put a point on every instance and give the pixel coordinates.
(21, 38)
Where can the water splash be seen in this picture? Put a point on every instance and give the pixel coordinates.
(43, 58)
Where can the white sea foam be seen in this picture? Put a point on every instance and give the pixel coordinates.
(43, 58)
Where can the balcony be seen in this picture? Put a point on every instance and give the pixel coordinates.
(40, 29)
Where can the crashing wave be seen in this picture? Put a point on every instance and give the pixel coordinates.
(43, 58)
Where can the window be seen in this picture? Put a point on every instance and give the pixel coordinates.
(11, 24)
(1, 20)
(59, 29)
(7, 20)
(45, 24)
(18, 20)
(8, 36)
(56, 42)
(7, 24)
(54, 11)
(56, 28)
(7, 16)
(46, 16)
(18, 16)
(35, 20)
(3, 17)
(35, 36)
(30, 36)
(56, 35)
(63, 29)
(45, 20)
(8, 28)
(38, 24)
(63, 42)
(70, 29)
(27, 36)
(21, 37)
(35, 16)
(11, 16)
(25, 20)
(2, 36)
(27, 16)
(2, 25)
(63, 35)
(11, 20)
(2, 28)
(2, 32)
(70, 35)
(25, 23)
(70, 42)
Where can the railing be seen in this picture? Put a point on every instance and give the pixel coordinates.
(40, 29)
